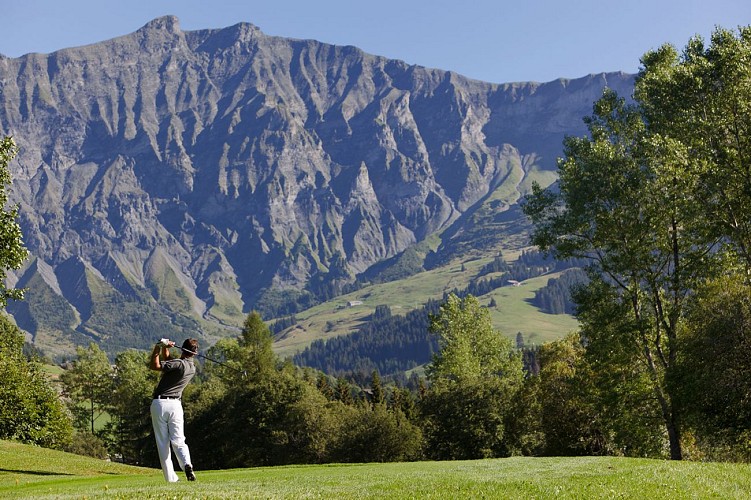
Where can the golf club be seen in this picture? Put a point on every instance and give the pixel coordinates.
(243, 373)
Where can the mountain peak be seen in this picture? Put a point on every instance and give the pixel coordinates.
(169, 23)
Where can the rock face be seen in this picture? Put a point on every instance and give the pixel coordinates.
(193, 172)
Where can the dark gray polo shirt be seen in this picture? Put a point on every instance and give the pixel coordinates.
(176, 374)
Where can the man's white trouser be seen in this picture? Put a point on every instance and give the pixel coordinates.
(167, 419)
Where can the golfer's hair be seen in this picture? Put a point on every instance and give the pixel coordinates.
(190, 347)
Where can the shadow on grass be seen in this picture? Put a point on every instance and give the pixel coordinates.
(36, 472)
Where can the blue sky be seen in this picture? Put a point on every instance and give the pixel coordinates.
(496, 41)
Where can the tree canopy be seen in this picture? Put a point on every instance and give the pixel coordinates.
(653, 196)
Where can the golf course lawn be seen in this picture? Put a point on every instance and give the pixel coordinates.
(32, 472)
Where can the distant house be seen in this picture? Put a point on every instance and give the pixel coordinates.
(514, 282)
(353, 303)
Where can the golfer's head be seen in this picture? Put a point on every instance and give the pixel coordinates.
(190, 347)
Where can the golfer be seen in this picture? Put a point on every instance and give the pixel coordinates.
(166, 409)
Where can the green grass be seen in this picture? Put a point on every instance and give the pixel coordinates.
(514, 313)
(29, 472)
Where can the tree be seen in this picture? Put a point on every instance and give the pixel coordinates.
(621, 203)
(473, 379)
(12, 251)
(343, 391)
(255, 343)
(377, 434)
(656, 192)
(30, 409)
(376, 388)
(89, 384)
(571, 422)
(523, 427)
(470, 349)
(700, 101)
(131, 421)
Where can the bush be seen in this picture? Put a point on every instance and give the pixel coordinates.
(376, 434)
(87, 444)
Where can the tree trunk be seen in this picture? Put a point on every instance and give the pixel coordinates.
(674, 435)
(671, 424)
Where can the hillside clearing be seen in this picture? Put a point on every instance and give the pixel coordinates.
(513, 314)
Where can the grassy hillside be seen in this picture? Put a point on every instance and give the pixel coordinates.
(29, 472)
(512, 314)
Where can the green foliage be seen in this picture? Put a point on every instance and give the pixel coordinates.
(523, 427)
(377, 434)
(627, 200)
(280, 415)
(87, 444)
(620, 383)
(466, 421)
(473, 379)
(247, 425)
(130, 430)
(30, 410)
(12, 251)
(386, 343)
(555, 297)
(273, 302)
(713, 377)
(376, 389)
(570, 420)
(404, 265)
(255, 343)
(470, 349)
(88, 383)
(313, 427)
(698, 103)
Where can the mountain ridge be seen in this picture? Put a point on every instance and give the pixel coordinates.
(196, 174)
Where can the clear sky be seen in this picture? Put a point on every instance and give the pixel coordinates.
(493, 40)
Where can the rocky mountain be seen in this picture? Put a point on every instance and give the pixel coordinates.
(169, 181)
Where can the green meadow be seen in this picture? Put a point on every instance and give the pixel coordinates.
(32, 472)
(513, 313)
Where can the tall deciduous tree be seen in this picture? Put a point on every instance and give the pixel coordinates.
(620, 202)
(473, 379)
(12, 251)
(89, 383)
(30, 410)
(701, 100)
(633, 196)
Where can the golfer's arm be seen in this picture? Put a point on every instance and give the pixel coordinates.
(154, 362)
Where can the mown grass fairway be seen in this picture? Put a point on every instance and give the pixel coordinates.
(29, 472)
